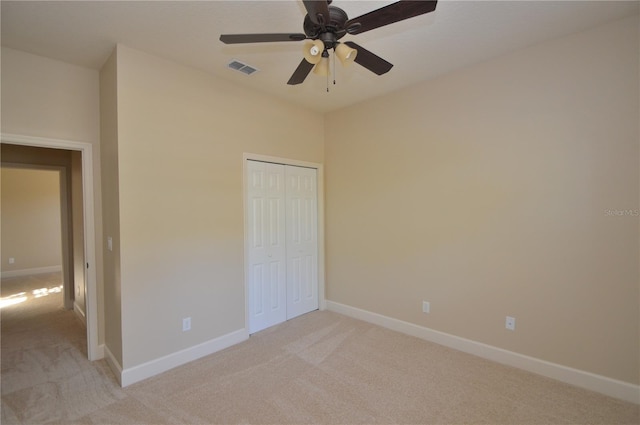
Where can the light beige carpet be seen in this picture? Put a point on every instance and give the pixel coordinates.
(321, 368)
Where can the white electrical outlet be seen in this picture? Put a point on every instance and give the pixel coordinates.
(186, 324)
(510, 323)
(426, 307)
(12, 260)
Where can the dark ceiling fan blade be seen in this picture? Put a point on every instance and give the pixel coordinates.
(260, 38)
(318, 11)
(394, 12)
(372, 62)
(300, 73)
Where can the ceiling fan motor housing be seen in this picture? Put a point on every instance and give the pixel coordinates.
(330, 31)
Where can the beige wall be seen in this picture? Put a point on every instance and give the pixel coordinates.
(31, 226)
(488, 193)
(48, 98)
(181, 134)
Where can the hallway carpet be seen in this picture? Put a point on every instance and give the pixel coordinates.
(320, 368)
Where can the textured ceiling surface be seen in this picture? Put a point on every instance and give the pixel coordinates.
(456, 35)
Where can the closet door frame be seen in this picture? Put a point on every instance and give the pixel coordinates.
(320, 206)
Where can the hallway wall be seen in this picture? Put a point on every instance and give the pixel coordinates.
(31, 226)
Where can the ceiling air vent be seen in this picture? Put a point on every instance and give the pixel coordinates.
(242, 67)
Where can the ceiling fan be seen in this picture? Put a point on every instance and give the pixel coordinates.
(324, 25)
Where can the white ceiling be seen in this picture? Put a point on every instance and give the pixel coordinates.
(456, 35)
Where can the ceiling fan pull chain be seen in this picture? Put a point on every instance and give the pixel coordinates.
(328, 68)
(334, 66)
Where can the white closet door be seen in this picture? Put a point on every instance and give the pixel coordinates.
(267, 249)
(302, 240)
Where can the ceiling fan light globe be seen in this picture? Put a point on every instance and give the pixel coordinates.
(346, 54)
(322, 68)
(312, 51)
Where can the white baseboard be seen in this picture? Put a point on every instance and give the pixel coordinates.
(27, 272)
(611, 387)
(154, 367)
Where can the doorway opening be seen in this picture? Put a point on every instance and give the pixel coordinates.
(42, 226)
(74, 160)
(33, 229)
